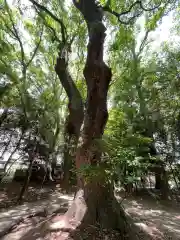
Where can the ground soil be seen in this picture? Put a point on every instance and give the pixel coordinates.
(152, 219)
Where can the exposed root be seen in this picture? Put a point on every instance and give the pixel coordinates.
(11, 227)
(74, 224)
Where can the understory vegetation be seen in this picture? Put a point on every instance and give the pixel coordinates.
(90, 99)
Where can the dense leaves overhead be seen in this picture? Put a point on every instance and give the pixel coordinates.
(144, 95)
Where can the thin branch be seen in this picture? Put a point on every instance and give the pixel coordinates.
(119, 15)
(143, 42)
(11, 33)
(106, 8)
(48, 26)
(17, 37)
(43, 8)
(149, 9)
(130, 8)
(35, 49)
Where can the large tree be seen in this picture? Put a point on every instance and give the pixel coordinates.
(94, 201)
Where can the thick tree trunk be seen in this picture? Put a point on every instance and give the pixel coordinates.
(94, 201)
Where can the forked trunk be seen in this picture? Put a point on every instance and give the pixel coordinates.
(94, 201)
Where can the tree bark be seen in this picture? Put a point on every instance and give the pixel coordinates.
(28, 177)
(76, 113)
(67, 164)
(157, 179)
(94, 201)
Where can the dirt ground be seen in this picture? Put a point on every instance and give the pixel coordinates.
(9, 193)
(44, 207)
(156, 219)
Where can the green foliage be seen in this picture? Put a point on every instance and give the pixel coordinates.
(92, 173)
(144, 95)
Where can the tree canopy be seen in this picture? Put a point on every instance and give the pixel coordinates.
(91, 81)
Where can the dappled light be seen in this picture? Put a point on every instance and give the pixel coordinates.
(153, 218)
(89, 120)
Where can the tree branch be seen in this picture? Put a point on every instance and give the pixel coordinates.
(143, 42)
(119, 15)
(48, 26)
(15, 33)
(35, 49)
(43, 8)
(106, 8)
(149, 9)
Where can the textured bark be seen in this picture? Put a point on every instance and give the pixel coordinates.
(75, 106)
(76, 113)
(98, 76)
(94, 201)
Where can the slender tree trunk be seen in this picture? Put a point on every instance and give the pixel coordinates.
(53, 147)
(159, 170)
(165, 186)
(67, 165)
(76, 112)
(28, 174)
(157, 179)
(27, 179)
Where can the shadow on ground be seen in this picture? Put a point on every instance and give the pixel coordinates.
(151, 220)
(20, 219)
(9, 193)
(150, 216)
